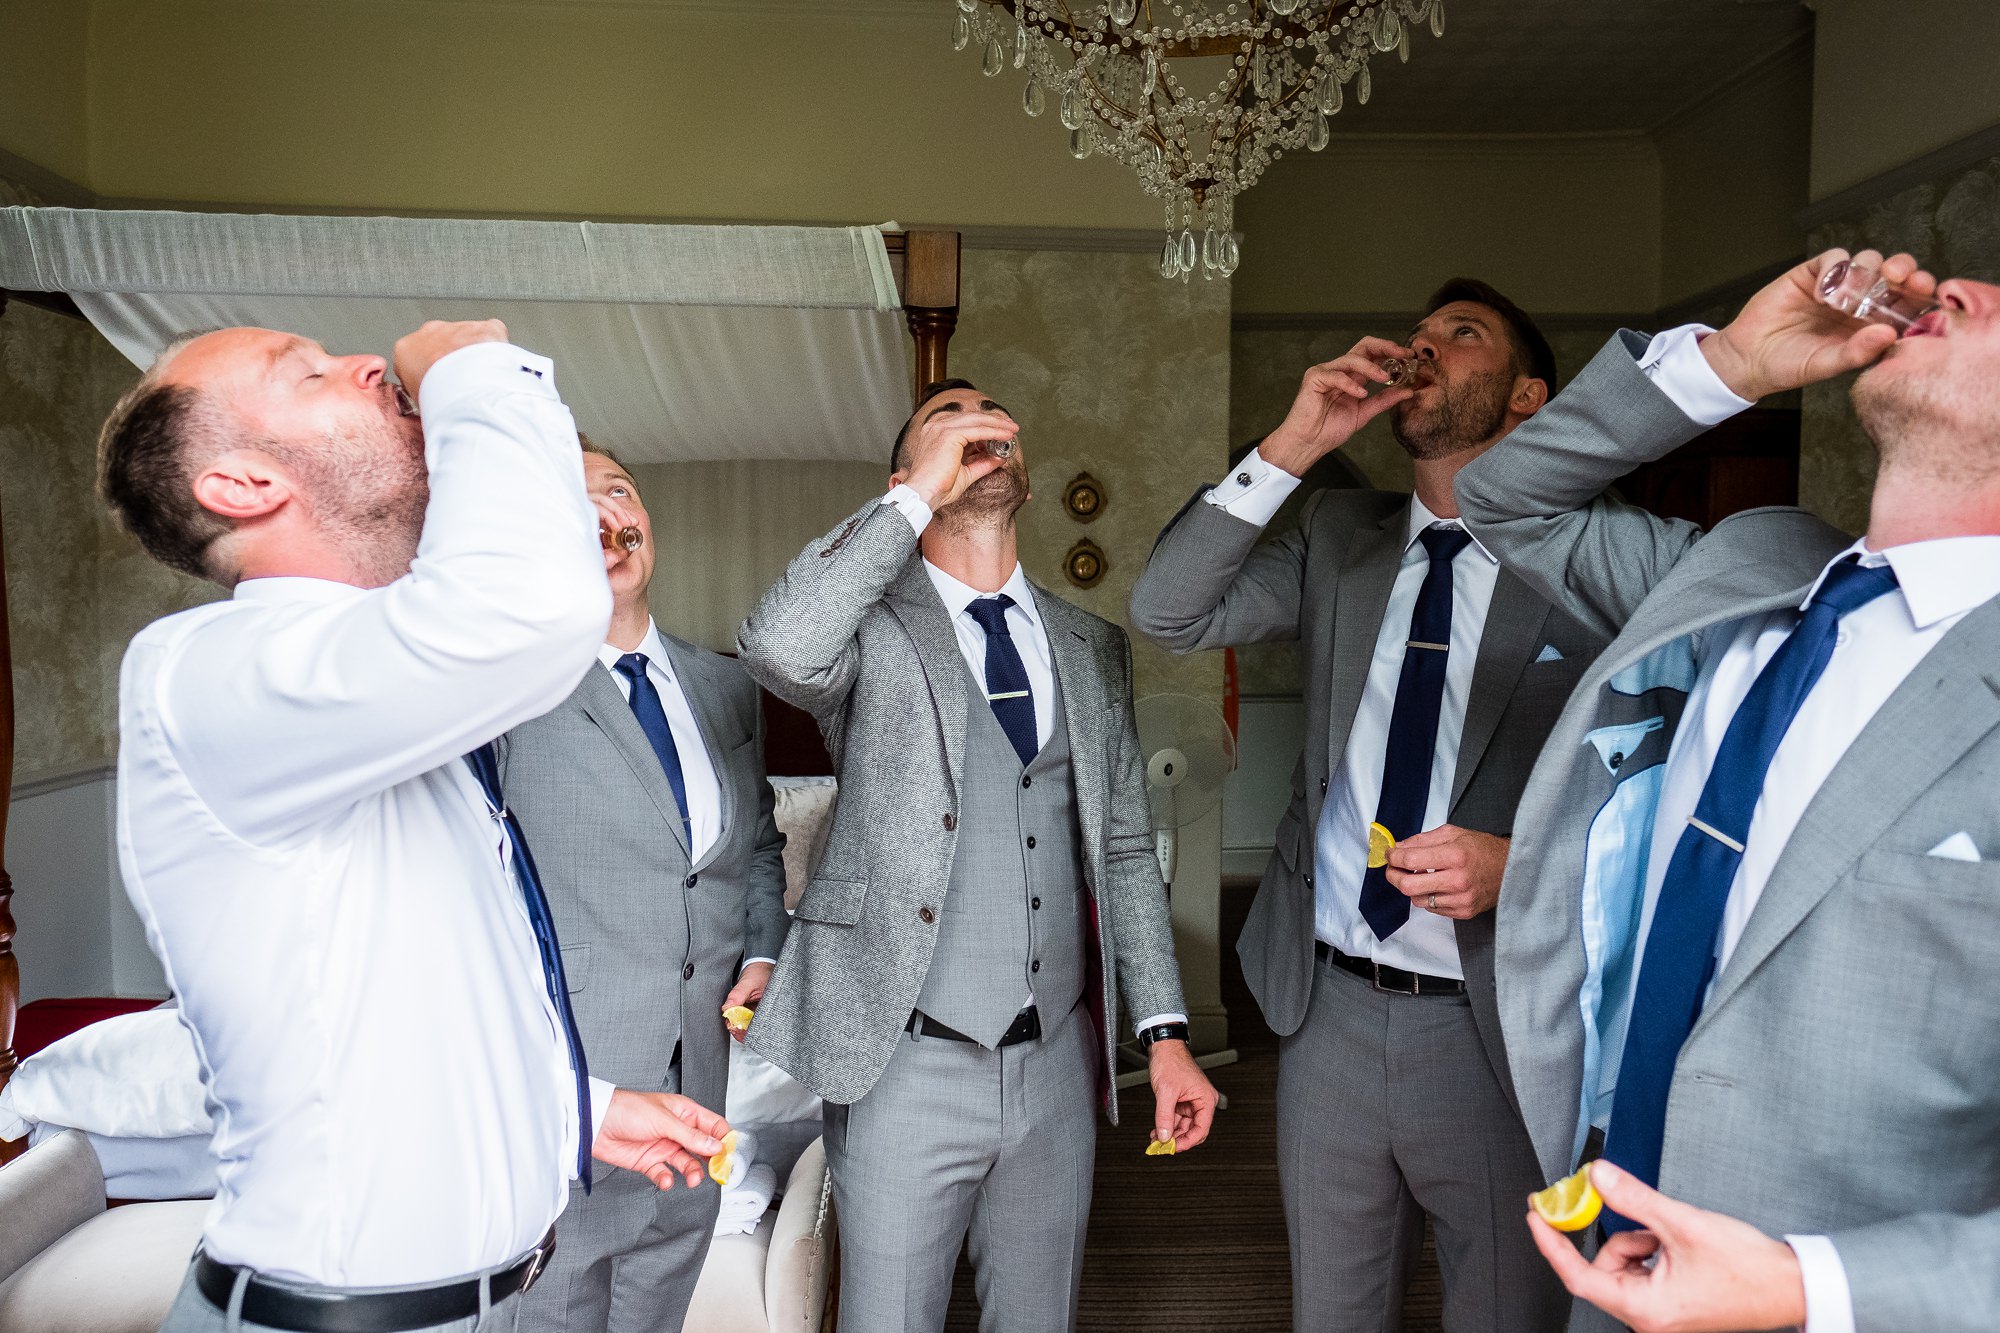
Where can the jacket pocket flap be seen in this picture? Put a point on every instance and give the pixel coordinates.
(833, 900)
(1290, 840)
(576, 967)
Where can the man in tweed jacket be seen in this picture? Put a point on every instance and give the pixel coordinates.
(951, 982)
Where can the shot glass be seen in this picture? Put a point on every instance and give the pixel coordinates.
(1000, 449)
(624, 539)
(1860, 292)
(1405, 372)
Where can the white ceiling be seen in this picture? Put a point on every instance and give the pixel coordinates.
(1565, 66)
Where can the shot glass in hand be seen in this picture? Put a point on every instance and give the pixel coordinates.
(624, 539)
(1862, 293)
(1405, 372)
(1000, 449)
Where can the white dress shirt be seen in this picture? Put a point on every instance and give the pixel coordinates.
(1024, 622)
(1875, 650)
(319, 874)
(1426, 943)
(698, 776)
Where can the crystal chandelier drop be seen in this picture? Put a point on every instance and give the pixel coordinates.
(1127, 76)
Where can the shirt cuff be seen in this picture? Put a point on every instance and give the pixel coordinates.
(600, 1104)
(485, 368)
(1158, 1019)
(910, 505)
(747, 961)
(1673, 361)
(1829, 1303)
(1255, 491)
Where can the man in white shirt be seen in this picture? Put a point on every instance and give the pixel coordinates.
(1433, 677)
(988, 895)
(1767, 940)
(644, 796)
(351, 924)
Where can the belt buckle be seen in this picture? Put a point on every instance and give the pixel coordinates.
(538, 1259)
(1414, 988)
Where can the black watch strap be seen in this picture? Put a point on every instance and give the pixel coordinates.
(1163, 1032)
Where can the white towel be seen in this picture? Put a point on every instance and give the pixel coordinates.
(745, 1201)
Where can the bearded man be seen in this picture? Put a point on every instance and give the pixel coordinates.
(989, 890)
(1434, 676)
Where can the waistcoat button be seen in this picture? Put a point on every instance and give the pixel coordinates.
(926, 915)
(1031, 842)
(687, 973)
(1027, 781)
(950, 821)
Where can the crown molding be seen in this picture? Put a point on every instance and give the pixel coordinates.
(1974, 148)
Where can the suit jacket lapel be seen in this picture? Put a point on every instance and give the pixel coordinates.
(1367, 577)
(705, 699)
(914, 601)
(604, 704)
(1513, 627)
(1941, 710)
(1085, 712)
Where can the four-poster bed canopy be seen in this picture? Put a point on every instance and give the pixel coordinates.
(674, 343)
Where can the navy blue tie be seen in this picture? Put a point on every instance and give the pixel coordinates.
(487, 770)
(1007, 688)
(1679, 958)
(1413, 726)
(652, 717)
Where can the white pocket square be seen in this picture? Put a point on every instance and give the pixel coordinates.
(1549, 654)
(1958, 847)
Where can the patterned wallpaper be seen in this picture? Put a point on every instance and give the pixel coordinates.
(77, 589)
(1952, 225)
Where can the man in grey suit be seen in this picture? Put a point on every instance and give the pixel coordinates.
(644, 797)
(989, 889)
(1750, 933)
(1433, 677)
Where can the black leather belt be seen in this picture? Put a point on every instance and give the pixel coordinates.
(1027, 1026)
(1393, 980)
(329, 1310)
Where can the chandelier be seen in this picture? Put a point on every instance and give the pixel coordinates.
(1196, 96)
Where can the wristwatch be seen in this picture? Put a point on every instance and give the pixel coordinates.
(1163, 1032)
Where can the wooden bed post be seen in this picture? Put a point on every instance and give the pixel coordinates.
(930, 297)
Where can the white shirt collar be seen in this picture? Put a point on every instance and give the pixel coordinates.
(1421, 518)
(293, 588)
(1938, 579)
(652, 646)
(957, 596)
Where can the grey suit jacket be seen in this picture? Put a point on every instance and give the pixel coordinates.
(631, 911)
(1844, 1077)
(855, 634)
(1211, 584)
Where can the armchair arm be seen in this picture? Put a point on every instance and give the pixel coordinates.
(799, 1267)
(48, 1191)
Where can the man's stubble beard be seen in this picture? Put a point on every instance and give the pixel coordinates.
(1917, 423)
(1465, 416)
(989, 502)
(369, 487)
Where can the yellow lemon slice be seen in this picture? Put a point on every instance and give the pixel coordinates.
(723, 1163)
(1571, 1204)
(738, 1018)
(1165, 1148)
(1380, 843)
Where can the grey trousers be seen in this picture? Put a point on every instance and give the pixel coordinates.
(627, 1257)
(192, 1313)
(1388, 1109)
(956, 1139)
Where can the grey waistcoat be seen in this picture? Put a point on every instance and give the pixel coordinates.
(1013, 913)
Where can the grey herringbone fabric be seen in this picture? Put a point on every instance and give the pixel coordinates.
(651, 944)
(1014, 917)
(855, 633)
(1844, 1076)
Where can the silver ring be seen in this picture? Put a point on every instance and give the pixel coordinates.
(1432, 905)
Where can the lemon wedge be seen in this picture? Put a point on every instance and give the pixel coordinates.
(1380, 843)
(738, 1018)
(1162, 1148)
(1571, 1204)
(723, 1163)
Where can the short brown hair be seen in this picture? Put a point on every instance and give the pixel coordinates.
(146, 458)
(1532, 354)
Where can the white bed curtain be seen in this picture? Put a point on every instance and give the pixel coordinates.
(672, 344)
